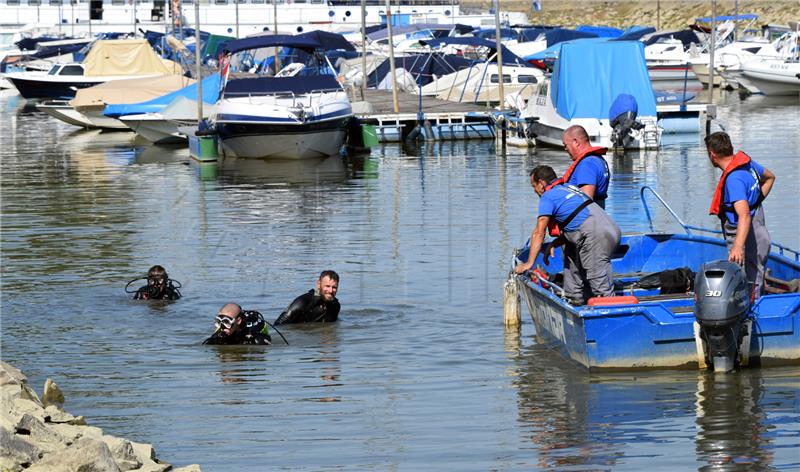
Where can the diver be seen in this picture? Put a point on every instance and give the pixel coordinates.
(159, 286)
(317, 305)
(237, 326)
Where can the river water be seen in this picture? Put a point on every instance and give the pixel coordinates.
(418, 374)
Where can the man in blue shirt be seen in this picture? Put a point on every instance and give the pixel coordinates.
(588, 232)
(737, 202)
(589, 170)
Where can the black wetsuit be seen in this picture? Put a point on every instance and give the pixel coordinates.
(251, 332)
(148, 292)
(308, 308)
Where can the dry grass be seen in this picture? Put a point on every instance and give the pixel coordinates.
(674, 13)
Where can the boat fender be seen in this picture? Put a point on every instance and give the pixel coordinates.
(607, 301)
(542, 276)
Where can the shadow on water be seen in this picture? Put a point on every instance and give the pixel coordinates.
(578, 420)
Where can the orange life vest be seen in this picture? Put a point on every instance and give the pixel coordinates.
(739, 160)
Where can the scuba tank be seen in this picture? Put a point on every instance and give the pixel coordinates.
(722, 304)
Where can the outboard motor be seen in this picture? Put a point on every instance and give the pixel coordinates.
(622, 118)
(722, 302)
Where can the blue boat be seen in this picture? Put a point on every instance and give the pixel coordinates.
(642, 328)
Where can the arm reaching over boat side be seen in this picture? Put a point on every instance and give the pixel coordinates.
(766, 182)
(537, 237)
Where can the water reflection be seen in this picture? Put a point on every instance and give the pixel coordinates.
(276, 171)
(595, 421)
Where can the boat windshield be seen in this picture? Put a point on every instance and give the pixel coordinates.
(54, 70)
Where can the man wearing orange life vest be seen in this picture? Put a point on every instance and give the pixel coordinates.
(737, 202)
(589, 170)
(589, 234)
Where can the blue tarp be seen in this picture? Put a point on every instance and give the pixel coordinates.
(210, 94)
(490, 33)
(531, 34)
(589, 75)
(329, 41)
(559, 35)
(600, 31)
(553, 51)
(635, 33)
(272, 40)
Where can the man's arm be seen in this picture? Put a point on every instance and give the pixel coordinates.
(736, 253)
(293, 312)
(537, 237)
(589, 190)
(767, 181)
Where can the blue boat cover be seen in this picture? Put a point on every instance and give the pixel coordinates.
(421, 66)
(45, 51)
(210, 94)
(600, 31)
(745, 16)
(559, 35)
(635, 33)
(269, 85)
(531, 34)
(553, 51)
(686, 37)
(272, 40)
(508, 56)
(329, 41)
(589, 75)
(490, 33)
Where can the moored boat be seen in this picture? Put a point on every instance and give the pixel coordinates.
(643, 327)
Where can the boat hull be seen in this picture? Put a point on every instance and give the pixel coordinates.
(282, 140)
(35, 88)
(62, 110)
(154, 128)
(774, 78)
(659, 333)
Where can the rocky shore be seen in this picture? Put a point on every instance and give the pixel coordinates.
(673, 13)
(37, 435)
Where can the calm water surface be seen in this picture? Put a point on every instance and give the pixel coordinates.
(418, 374)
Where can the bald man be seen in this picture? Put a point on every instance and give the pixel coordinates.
(589, 170)
(237, 326)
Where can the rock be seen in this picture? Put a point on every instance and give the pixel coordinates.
(16, 452)
(19, 407)
(72, 433)
(10, 375)
(58, 416)
(144, 452)
(122, 451)
(52, 395)
(153, 466)
(47, 439)
(86, 455)
(188, 468)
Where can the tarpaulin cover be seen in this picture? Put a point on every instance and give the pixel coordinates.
(210, 94)
(531, 34)
(128, 90)
(126, 57)
(686, 37)
(635, 33)
(559, 35)
(589, 75)
(272, 40)
(600, 31)
(490, 33)
(57, 48)
(508, 56)
(421, 66)
(329, 41)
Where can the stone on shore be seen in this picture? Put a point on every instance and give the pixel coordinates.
(37, 435)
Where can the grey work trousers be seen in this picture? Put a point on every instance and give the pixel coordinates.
(756, 249)
(587, 257)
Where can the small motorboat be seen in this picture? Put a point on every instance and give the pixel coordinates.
(653, 323)
(774, 77)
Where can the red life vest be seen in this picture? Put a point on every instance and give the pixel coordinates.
(592, 150)
(739, 160)
(552, 225)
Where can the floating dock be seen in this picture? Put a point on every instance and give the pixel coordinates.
(437, 119)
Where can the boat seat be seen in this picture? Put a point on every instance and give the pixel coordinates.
(666, 296)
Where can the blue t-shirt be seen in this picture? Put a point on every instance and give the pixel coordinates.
(742, 184)
(592, 170)
(560, 201)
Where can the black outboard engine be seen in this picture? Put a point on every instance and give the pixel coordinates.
(622, 118)
(722, 303)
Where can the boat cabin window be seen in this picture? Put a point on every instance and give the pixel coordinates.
(53, 70)
(495, 78)
(220, 2)
(526, 79)
(34, 2)
(13, 2)
(671, 48)
(71, 70)
(55, 2)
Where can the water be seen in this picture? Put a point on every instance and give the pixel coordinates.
(418, 374)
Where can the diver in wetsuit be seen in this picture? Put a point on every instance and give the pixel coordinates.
(159, 286)
(317, 305)
(237, 326)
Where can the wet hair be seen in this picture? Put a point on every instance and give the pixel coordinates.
(156, 271)
(545, 173)
(330, 274)
(719, 143)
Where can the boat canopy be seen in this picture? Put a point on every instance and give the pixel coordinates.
(600, 31)
(329, 41)
(559, 35)
(127, 57)
(277, 85)
(635, 33)
(272, 40)
(396, 30)
(685, 36)
(210, 95)
(491, 33)
(128, 90)
(589, 75)
(421, 66)
(531, 34)
(508, 56)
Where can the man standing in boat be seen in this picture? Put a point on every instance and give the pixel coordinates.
(589, 170)
(744, 184)
(317, 305)
(588, 232)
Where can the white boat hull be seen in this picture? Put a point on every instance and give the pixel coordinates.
(154, 128)
(62, 110)
(773, 77)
